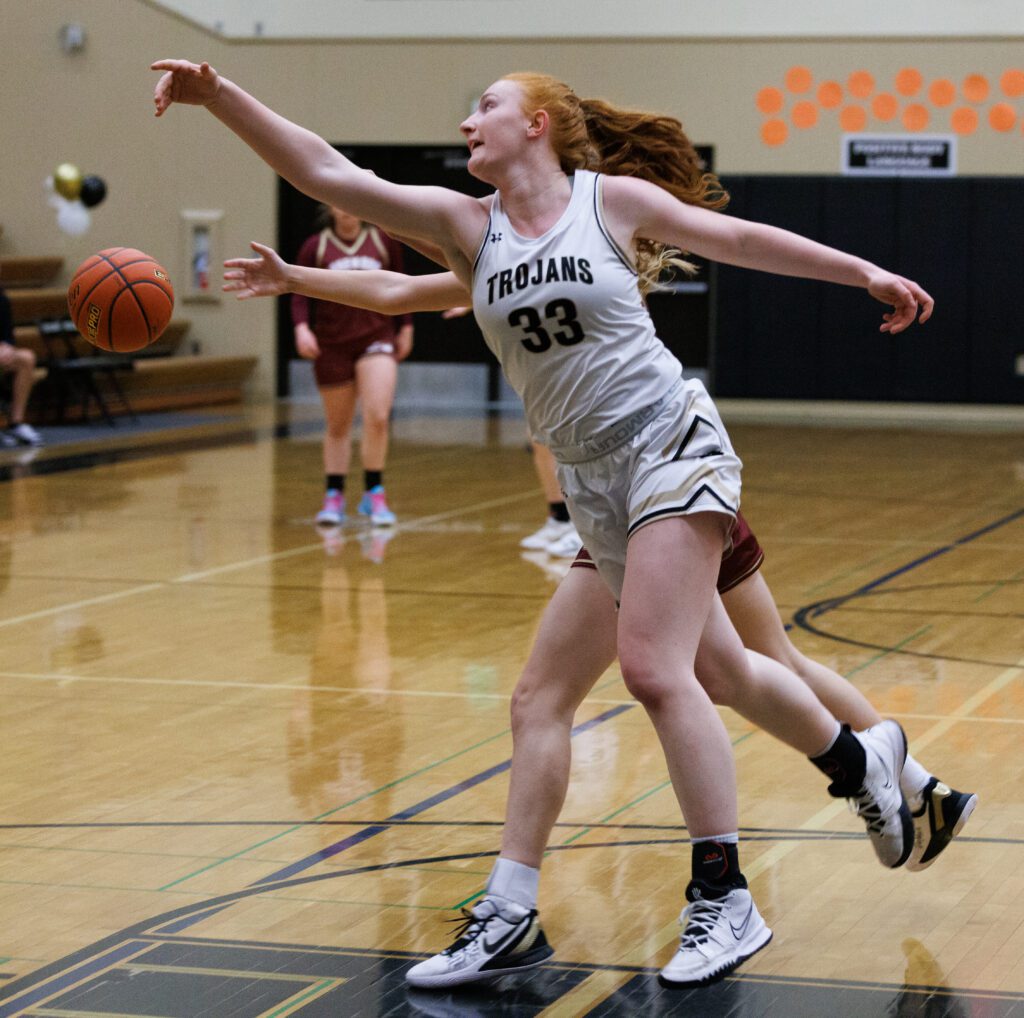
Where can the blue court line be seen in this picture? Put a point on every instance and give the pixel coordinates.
(47, 988)
(831, 604)
(369, 832)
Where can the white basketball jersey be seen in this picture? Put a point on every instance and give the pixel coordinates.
(563, 315)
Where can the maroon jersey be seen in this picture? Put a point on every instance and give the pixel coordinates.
(338, 323)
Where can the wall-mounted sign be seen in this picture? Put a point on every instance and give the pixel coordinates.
(895, 155)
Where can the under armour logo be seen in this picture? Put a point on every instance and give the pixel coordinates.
(495, 237)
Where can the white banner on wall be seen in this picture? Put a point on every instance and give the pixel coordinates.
(896, 155)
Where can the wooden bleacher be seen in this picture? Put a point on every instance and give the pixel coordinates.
(161, 377)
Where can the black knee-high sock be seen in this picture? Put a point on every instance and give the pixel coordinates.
(844, 762)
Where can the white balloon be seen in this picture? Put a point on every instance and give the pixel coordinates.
(54, 200)
(74, 218)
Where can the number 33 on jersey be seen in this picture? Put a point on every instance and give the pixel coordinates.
(563, 315)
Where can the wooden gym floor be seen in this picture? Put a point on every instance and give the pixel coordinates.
(248, 771)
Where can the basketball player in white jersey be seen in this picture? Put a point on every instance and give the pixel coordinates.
(582, 609)
(643, 458)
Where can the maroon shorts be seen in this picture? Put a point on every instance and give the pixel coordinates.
(744, 560)
(336, 364)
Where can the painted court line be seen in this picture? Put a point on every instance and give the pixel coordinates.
(298, 684)
(597, 987)
(304, 549)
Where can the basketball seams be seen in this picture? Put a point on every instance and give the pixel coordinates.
(142, 308)
(114, 267)
(123, 322)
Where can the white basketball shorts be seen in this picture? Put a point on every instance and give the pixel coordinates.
(678, 463)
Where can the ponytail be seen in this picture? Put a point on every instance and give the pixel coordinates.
(591, 134)
(654, 148)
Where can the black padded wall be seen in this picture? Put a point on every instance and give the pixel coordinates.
(960, 238)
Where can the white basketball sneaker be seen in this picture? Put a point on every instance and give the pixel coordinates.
(551, 531)
(718, 934)
(566, 546)
(879, 801)
(493, 940)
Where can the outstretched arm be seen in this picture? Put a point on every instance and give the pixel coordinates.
(448, 219)
(636, 208)
(391, 293)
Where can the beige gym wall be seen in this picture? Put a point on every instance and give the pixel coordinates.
(94, 109)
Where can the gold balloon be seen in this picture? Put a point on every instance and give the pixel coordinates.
(67, 181)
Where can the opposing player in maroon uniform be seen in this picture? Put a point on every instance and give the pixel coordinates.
(355, 354)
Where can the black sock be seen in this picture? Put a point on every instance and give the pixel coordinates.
(844, 762)
(336, 482)
(715, 866)
(558, 511)
(371, 478)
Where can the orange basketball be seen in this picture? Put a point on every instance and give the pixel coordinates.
(120, 299)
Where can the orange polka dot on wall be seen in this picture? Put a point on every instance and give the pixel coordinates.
(853, 118)
(830, 94)
(770, 100)
(909, 81)
(915, 117)
(941, 92)
(861, 84)
(885, 106)
(975, 88)
(964, 120)
(805, 115)
(799, 80)
(774, 132)
(1002, 117)
(1012, 83)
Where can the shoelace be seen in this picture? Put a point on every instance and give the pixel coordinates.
(471, 926)
(704, 915)
(864, 805)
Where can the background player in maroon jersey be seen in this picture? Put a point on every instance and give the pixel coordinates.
(355, 354)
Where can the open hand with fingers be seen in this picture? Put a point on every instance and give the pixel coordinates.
(905, 297)
(263, 276)
(184, 82)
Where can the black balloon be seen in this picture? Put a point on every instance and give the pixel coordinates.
(94, 190)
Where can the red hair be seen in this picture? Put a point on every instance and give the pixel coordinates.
(592, 134)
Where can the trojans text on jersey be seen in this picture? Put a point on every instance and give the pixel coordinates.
(568, 268)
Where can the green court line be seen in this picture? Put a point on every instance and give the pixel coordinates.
(337, 809)
(362, 904)
(639, 799)
(92, 887)
(998, 586)
(191, 894)
(858, 568)
(611, 816)
(901, 546)
(119, 851)
(886, 653)
(288, 1005)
